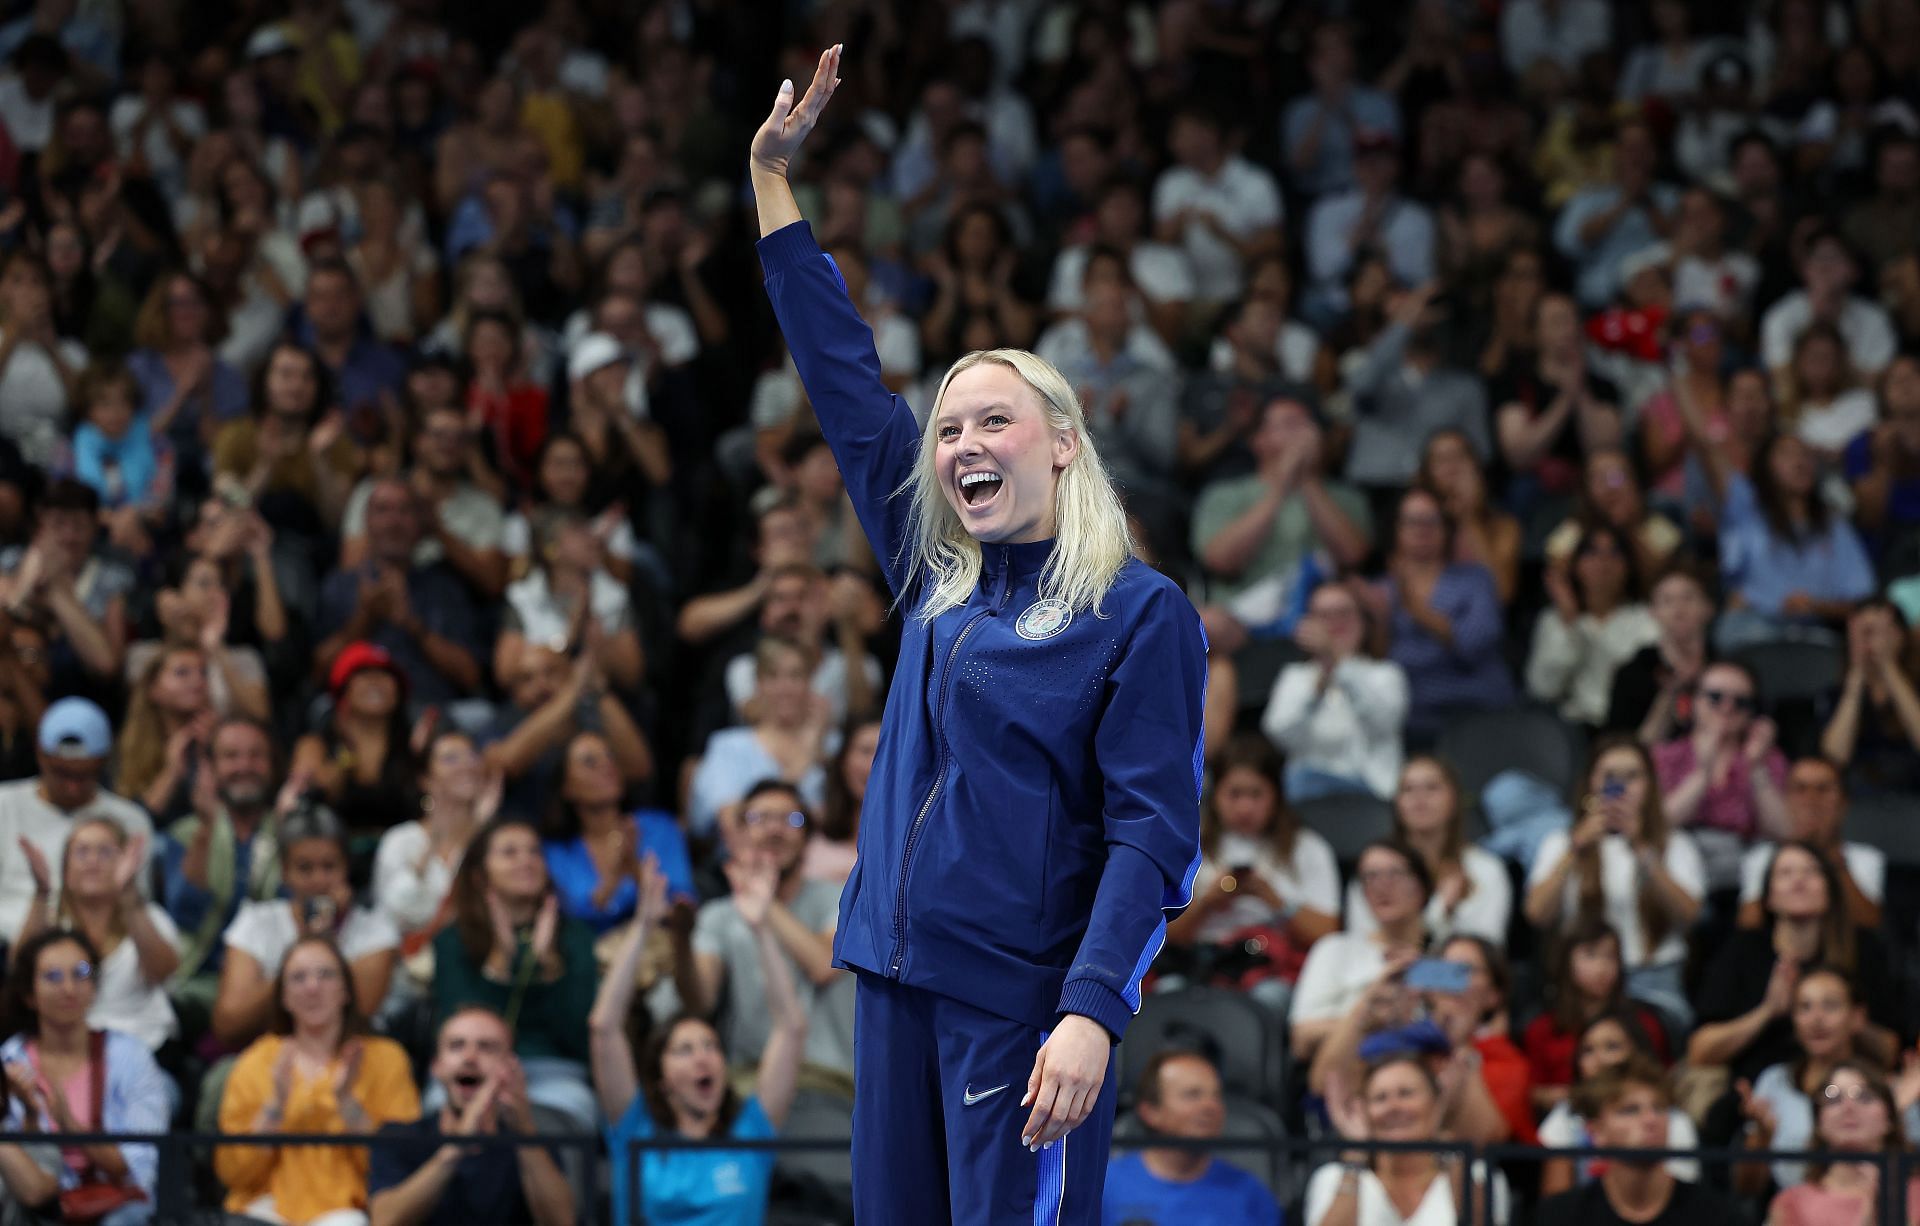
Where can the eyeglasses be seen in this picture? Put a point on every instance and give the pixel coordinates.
(1384, 876)
(1851, 1094)
(792, 817)
(1726, 698)
(56, 977)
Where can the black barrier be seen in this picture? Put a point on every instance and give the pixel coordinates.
(174, 1201)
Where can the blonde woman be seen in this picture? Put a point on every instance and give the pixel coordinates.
(1033, 811)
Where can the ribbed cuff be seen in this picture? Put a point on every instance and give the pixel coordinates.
(1090, 998)
(787, 247)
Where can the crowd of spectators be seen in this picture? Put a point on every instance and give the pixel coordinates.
(439, 668)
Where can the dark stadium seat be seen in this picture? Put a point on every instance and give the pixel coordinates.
(1532, 739)
(821, 1115)
(1228, 1026)
(1349, 822)
(1889, 821)
(1257, 666)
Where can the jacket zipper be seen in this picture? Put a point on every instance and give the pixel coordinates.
(940, 765)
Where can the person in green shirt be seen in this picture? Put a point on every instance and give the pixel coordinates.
(510, 949)
(1252, 534)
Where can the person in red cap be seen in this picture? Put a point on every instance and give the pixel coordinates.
(362, 761)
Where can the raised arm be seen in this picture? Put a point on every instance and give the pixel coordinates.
(874, 435)
(615, 1079)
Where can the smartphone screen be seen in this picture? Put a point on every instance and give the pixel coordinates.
(1437, 975)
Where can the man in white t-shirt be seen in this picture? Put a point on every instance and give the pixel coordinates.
(74, 741)
(1827, 273)
(464, 523)
(1160, 271)
(1221, 208)
(1816, 800)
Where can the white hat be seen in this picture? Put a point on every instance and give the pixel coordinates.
(269, 40)
(594, 350)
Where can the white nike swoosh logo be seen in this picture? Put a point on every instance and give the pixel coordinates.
(968, 1098)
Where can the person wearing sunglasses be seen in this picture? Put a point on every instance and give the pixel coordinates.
(1855, 1112)
(63, 1076)
(1725, 780)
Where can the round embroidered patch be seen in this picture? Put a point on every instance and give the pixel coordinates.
(1043, 619)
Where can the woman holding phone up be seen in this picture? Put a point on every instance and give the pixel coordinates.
(1032, 818)
(1620, 863)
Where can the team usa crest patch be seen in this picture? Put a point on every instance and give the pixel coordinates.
(1043, 619)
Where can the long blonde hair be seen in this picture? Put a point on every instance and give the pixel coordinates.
(143, 735)
(1091, 538)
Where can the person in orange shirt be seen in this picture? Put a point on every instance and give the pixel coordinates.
(317, 1071)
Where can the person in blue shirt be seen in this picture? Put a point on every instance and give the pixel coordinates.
(1033, 814)
(1790, 564)
(589, 816)
(1179, 1096)
(679, 1083)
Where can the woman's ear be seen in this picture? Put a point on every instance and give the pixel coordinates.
(1066, 445)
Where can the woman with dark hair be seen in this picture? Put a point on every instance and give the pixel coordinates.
(1611, 494)
(317, 1070)
(1482, 532)
(1550, 408)
(830, 852)
(973, 275)
(679, 1084)
(1621, 864)
(362, 761)
(62, 1076)
(1791, 566)
(595, 841)
(186, 386)
(1746, 999)
(1342, 966)
(1820, 394)
(509, 948)
(318, 901)
(1441, 620)
(198, 607)
(1857, 1112)
(1781, 1104)
(1472, 894)
(569, 596)
(502, 402)
(566, 478)
(1596, 623)
(291, 459)
(1724, 781)
(1586, 980)
(1873, 730)
(267, 270)
(1263, 876)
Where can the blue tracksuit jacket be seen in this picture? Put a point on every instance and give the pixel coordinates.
(1033, 812)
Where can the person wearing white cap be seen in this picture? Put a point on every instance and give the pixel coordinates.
(600, 369)
(74, 742)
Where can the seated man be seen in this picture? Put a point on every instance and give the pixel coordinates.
(434, 1180)
(1180, 1097)
(1816, 804)
(1629, 1109)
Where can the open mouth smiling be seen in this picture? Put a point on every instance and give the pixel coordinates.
(980, 487)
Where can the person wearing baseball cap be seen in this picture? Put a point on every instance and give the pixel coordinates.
(72, 746)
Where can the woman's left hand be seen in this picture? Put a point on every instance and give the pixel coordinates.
(1066, 1080)
(127, 868)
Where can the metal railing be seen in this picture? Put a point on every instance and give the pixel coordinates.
(174, 1198)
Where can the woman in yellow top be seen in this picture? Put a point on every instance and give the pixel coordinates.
(318, 1071)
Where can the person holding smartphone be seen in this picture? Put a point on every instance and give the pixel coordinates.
(318, 902)
(1620, 863)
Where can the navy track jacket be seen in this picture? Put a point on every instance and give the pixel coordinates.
(1033, 813)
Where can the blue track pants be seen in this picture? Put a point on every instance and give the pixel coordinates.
(937, 1119)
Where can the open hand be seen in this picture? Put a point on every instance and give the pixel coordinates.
(37, 862)
(787, 125)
